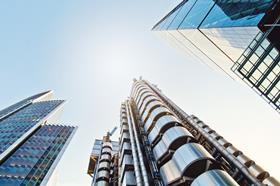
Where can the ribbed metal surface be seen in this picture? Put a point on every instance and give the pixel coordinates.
(241, 161)
(146, 102)
(104, 165)
(237, 164)
(189, 160)
(162, 124)
(154, 116)
(179, 158)
(171, 140)
(106, 150)
(148, 96)
(101, 183)
(158, 139)
(214, 177)
(149, 108)
(103, 174)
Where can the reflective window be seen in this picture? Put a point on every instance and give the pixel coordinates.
(160, 24)
(20, 104)
(181, 14)
(170, 18)
(13, 127)
(260, 65)
(31, 162)
(197, 14)
(233, 14)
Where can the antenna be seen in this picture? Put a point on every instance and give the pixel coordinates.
(112, 131)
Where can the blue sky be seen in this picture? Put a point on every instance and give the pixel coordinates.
(88, 51)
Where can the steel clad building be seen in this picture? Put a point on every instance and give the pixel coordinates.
(160, 144)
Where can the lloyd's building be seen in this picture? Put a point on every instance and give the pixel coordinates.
(241, 38)
(159, 144)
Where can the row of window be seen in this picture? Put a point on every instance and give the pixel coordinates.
(260, 65)
(211, 14)
(30, 163)
(23, 120)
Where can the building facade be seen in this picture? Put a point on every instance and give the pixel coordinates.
(103, 163)
(239, 38)
(30, 145)
(160, 144)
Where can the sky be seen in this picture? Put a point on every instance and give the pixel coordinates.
(88, 52)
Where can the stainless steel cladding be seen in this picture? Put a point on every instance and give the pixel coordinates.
(104, 165)
(127, 161)
(128, 178)
(178, 156)
(101, 183)
(247, 167)
(161, 126)
(214, 177)
(151, 100)
(171, 140)
(159, 144)
(190, 160)
(103, 175)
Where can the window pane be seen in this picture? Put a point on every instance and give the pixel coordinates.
(197, 14)
(169, 19)
(233, 14)
(182, 14)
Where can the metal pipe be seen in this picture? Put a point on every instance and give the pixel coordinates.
(221, 149)
(142, 165)
(97, 167)
(134, 154)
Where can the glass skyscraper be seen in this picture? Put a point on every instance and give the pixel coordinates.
(159, 144)
(240, 38)
(30, 145)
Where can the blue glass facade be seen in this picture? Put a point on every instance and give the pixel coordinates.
(224, 35)
(229, 25)
(29, 147)
(196, 14)
(19, 123)
(29, 164)
(236, 14)
(215, 14)
(25, 102)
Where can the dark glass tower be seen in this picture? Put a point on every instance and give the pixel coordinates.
(30, 147)
(160, 144)
(240, 38)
